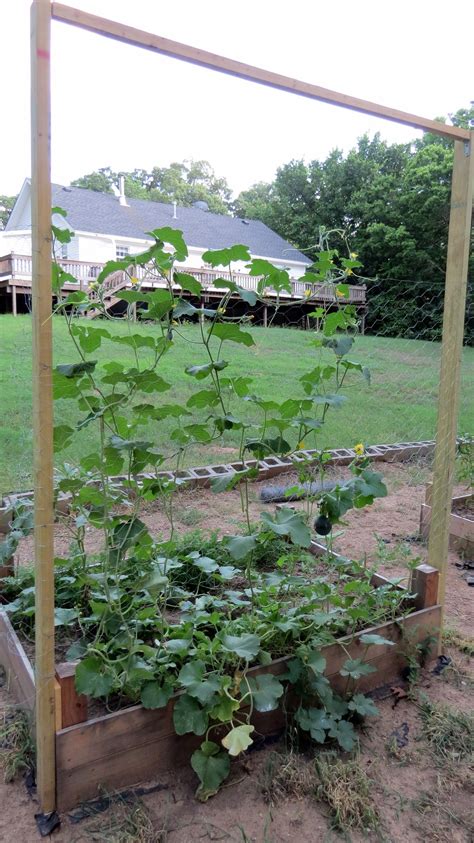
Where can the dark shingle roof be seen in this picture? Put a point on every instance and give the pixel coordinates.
(88, 210)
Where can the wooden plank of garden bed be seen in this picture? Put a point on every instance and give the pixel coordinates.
(20, 675)
(135, 744)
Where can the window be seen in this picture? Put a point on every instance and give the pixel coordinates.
(121, 252)
(64, 254)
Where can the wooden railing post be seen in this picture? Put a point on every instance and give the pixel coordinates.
(73, 705)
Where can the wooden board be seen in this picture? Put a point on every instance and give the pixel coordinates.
(134, 744)
(461, 530)
(20, 675)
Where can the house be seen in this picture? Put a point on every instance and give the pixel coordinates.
(108, 227)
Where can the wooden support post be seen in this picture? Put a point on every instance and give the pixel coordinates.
(425, 586)
(73, 705)
(451, 351)
(265, 316)
(43, 402)
(14, 310)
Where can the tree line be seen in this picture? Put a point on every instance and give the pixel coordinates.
(391, 201)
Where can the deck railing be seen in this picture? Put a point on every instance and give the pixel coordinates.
(19, 269)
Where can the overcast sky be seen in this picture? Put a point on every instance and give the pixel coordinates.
(124, 107)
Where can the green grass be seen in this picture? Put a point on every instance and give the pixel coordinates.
(400, 405)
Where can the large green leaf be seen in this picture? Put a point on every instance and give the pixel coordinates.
(76, 370)
(266, 691)
(238, 739)
(188, 716)
(245, 646)
(156, 695)
(94, 677)
(344, 733)
(230, 331)
(315, 721)
(192, 677)
(373, 638)
(362, 705)
(223, 257)
(240, 546)
(287, 522)
(90, 338)
(212, 767)
(355, 668)
(174, 237)
(200, 372)
(188, 282)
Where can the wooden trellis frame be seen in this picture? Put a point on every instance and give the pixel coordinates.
(42, 13)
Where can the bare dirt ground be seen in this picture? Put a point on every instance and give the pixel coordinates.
(416, 794)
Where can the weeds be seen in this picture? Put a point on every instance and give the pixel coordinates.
(287, 776)
(125, 822)
(346, 788)
(16, 745)
(452, 638)
(400, 555)
(439, 811)
(449, 733)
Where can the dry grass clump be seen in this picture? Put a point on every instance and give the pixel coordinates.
(450, 733)
(287, 775)
(16, 745)
(347, 789)
(126, 821)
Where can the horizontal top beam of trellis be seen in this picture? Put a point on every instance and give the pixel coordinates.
(148, 41)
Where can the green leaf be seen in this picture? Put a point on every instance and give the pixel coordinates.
(89, 338)
(156, 695)
(223, 257)
(94, 677)
(344, 733)
(224, 709)
(188, 716)
(315, 721)
(136, 341)
(240, 546)
(230, 331)
(75, 370)
(317, 663)
(191, 677)
(200, 372)
(238, 739)
(212, 767)
(62, 436)
(341, 344)
(245, 646)
(362, 705)
(266, 691)
(203, 398)
(372, 638)
(286, 522)
(174, 237)
(188, 282)
(64, 617)
(356, 668)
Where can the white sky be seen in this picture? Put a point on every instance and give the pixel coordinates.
(124, 107)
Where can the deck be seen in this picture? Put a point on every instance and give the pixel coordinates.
(16, 279)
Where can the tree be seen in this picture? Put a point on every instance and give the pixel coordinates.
(6, 207)
(185, 183)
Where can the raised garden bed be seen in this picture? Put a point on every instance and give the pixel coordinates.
(461, 524)
(133, 744)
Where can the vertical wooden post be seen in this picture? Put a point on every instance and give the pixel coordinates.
(14, 309)
(451, 351)
(42, 401)
(265, 316)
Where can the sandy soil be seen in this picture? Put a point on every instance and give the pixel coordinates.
(239, 812)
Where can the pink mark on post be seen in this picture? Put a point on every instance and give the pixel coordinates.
(42, 54)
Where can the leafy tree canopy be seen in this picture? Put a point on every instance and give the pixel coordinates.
(6, 207)
(184, 183)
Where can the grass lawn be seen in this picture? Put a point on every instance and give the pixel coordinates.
(400, 404)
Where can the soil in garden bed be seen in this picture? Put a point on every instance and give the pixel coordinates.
(385, 532)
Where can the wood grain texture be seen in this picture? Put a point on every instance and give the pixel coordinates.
(451, 350)
(222, 64)
(42, 400)
(20, 676)
(134, 744)
(73, 705)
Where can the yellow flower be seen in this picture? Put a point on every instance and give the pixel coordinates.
(300, 446)
(221, 309)
(359, 449)
(134, 281)
(349, 272)
(353, 255)
(340, 294)
(308, 293)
